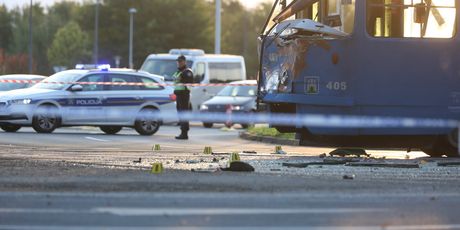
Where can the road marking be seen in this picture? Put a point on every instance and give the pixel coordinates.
(96, 139)
(193, 211)
(401, 227)
(224, 211)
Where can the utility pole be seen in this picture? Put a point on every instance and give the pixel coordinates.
(96, 35)
(31, 59)
(132, 11)
(217, 48)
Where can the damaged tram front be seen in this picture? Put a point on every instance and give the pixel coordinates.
(379, 58)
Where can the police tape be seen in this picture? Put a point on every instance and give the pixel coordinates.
(317, 120)
(291, 120)
(10, 81)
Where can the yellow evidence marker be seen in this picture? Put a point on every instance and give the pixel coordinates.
(207, 150)
(157, 168)
(156, 147)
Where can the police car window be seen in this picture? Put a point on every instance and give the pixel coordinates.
(225, 72)
(200, 72)
(120, 82)
(88, 83)
(56, 81)
(150, 84)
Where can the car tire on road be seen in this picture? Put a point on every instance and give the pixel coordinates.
(111, 130)
(46, 119)
(10, 128)
(146, 124)
(208, 125)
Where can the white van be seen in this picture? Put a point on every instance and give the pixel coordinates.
(208, 68)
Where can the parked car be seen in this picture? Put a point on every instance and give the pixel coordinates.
(238, 97)
(107, 98)
(207, 68)
(30, 80)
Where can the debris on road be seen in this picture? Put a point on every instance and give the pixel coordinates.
(138, 161)
(343, 152)
(279, 150)
(448, 164)
(326, 161)
(192, 161)
(349, 177)
(324, 155)
(383, 165)
(205, 170)
(215, 160)
(238, 166)
(249, 152)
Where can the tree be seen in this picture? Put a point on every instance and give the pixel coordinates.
(5, 28)
(70, 46)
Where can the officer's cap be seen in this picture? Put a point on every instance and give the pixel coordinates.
(181, 58)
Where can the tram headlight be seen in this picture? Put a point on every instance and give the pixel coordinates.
(272, 81)
(289, 32)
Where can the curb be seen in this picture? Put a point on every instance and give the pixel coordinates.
(270, 140)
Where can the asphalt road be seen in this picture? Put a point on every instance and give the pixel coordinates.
(79, 178)
(220, 138)
(227, 211)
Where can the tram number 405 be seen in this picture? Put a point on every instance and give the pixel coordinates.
(337, 85)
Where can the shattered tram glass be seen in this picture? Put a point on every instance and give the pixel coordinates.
(298, 29)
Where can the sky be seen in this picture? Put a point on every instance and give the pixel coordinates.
(14, 3)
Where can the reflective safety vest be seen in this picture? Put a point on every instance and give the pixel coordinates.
(177, 80)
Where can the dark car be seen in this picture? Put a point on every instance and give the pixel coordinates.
(25, 81)
(238, 97)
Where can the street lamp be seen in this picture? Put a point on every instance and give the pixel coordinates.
(217, 42)
(132, 11)
(31, 59)
(96, 35)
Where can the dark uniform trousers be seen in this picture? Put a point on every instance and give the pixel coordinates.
(183, 105)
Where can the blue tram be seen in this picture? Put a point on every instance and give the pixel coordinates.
(386, 58)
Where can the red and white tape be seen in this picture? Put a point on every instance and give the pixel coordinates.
(5, 81)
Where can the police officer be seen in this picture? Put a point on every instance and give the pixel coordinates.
(184, 75)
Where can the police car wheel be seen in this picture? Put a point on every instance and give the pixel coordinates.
(46, 119)
(10, 128)
(146, 124)
(208, 125)
(111, 130)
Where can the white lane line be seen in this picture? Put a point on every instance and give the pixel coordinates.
(224, 211)
(400, 227)
(193, 211)
(96, 139)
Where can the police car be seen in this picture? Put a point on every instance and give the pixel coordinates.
(107, 98)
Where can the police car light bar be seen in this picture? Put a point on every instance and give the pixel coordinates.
(103, 67)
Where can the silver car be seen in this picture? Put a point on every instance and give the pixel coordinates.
(107, 98)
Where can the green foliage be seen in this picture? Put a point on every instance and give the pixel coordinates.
(159, 26)
(70, 46)
(5, 28)
(270, 132)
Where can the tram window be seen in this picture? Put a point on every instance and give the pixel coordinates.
(411, 18)
(339, 14)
